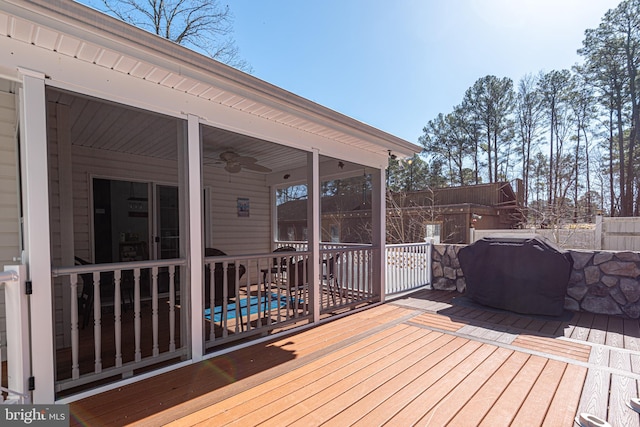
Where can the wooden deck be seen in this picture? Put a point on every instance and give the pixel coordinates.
(425, 359)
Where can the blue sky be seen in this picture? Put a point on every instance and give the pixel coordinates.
(396, 64)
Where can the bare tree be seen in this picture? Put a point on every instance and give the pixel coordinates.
(202, 25)
(528, 122)
(407, 219)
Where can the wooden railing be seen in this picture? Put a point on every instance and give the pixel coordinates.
(408, 267)
(112, 287)
(14, 345)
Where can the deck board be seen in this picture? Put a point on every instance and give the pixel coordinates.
(448, 354)
(562, 408)
(316, 391)
(595, 392)
(419, 360)
(505, 410)
(631, 329)
(623, 389)
(458, 397)
(356, 392)
(318, 405)
(582, 326)
(534, 408)
(598, 333)
(331, 362)
(438, 322)
(478, 405)
(433, 398)
(427, 386)
(615, 331)
(554, 346)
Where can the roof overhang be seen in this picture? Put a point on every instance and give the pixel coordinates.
(79, 32)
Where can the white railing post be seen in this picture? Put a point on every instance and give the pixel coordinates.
(18, 351)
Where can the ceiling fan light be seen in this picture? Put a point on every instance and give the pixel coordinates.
(233, 167)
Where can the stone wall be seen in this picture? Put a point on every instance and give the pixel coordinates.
(604, 282)
(446, 273)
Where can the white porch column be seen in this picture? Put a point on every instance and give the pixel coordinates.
(194, 181)
(35, 197)
(313, 230)
(379, 235)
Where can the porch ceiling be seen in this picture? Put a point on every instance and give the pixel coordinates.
(106, 42)
(136, 132)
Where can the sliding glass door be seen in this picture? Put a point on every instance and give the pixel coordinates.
(121, 226)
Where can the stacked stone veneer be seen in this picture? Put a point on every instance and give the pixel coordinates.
(446, 273)
(601, 281)
(605, 282)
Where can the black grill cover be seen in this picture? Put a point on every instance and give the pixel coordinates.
(521, 274)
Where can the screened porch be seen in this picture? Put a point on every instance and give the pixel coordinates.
(126, 232)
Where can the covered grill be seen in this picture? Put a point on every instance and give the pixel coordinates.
(526, 275)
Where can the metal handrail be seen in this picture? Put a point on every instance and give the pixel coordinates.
(8, 276)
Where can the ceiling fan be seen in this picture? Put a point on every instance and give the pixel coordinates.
(234, 163)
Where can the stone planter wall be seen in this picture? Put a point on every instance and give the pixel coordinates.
(446, 273)
(604, 282)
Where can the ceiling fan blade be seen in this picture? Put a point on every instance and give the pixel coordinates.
(256, 167)
(245, 160)
(235, 163)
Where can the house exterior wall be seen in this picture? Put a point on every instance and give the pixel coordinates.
(9, 214)
(235, 234)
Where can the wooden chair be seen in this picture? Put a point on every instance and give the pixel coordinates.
(218, 278)
(297, 282)
(85, 300)
(328, 275)
(279, 264)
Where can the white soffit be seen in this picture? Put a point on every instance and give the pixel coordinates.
(77, 31)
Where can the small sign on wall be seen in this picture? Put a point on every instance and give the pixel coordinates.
(243, 207)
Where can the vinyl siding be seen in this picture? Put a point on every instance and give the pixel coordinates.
(9, 213)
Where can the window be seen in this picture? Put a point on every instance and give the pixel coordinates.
(335, 234)
(432, 232)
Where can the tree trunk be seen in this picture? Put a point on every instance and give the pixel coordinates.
(612, 192)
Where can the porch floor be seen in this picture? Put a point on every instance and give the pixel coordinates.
(429, 358)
